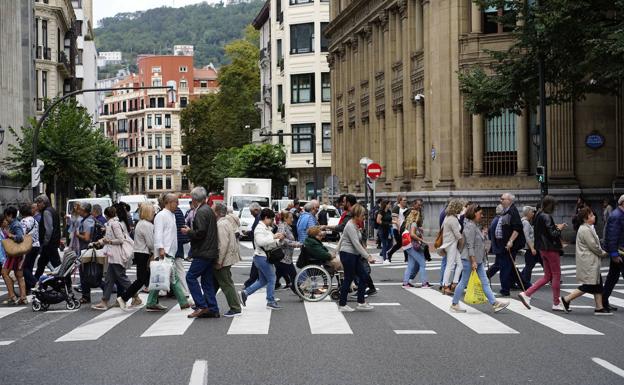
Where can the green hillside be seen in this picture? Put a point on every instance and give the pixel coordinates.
(156, 31)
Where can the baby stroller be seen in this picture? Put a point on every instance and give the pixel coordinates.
(56, 287)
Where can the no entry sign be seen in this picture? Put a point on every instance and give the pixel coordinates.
(373, 171)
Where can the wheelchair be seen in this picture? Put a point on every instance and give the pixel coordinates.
(314, 282)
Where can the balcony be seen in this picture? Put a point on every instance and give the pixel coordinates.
(44, 53)
(64, 65)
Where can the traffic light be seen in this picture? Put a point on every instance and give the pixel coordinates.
(540, 174)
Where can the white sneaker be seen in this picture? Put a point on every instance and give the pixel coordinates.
(386, 262)
(277, 299)
(122, 303)
(526, 300)
(500, 305)
(456, 309)
(558, 307)
(364, 307)
(345, 309)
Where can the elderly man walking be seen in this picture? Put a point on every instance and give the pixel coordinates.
(49, 235)
(165, 246)
(510, 232)
(307, 219)
(205, 246)
(614, 240)
(229, 254)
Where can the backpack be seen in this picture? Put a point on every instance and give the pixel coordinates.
(99, 230)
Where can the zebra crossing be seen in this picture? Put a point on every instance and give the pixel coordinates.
(324, 318)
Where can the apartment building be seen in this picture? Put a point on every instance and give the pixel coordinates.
(295, 88)
(86, 55)
(145, 124)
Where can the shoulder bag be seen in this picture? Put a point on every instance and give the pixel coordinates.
(14, 249)
(274, 255)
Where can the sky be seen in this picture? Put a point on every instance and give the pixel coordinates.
(107, 8)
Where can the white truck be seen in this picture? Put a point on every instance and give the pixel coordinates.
(241, 192)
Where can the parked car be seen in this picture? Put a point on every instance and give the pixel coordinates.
(246, 222)
(333, 216)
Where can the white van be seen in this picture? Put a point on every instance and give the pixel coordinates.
(133, 201)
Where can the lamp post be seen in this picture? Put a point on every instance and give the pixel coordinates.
(170, 93)
(312, 135)
(364, 162)
(292, 182)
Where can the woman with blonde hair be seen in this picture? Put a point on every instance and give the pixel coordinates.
(451, 245)
(415, 253)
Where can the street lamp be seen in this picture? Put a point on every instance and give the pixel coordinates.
(292, 182)
(364, 163)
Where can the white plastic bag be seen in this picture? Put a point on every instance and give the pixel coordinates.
(160, 273)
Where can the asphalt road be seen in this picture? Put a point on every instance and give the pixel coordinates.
(409, 338)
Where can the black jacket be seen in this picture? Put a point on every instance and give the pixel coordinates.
(204, 238)
(547, 236)
(513, 223)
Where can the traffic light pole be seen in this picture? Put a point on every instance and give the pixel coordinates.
(543, 155)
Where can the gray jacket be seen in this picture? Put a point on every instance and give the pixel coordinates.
(588, 255)
(474, 242)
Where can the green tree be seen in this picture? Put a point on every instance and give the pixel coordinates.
(582, 45)
(77, 157)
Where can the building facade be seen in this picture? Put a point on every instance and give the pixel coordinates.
(295, 89)
(86, 56)
(145, 124)
(17, 86)
(396, 99)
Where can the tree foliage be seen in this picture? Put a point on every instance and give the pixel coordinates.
(582, 45)
(77, 157)
(223, 120)
(208, 27)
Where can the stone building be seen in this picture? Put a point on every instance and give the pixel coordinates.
(145, 124)
(295, 89)
(396, 99)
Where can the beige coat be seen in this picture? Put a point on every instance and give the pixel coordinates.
(229, 248)
(588, 255)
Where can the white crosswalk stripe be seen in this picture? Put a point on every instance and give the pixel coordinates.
(473, 318)
(550, 320)
(256, 318)
(325, 318)
(100, 325)
(6, 311)
(174, 323)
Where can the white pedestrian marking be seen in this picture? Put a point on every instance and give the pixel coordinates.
(100, 325)
(415, 332)
(2, 293)
(247, 245)
(199, 374)
(612, 300)
(609, 366)
(6, 311)
(325, 318)
(550, 320)
(5, 343)
(255, 319)
(174, 323)
(384, 304)
(473, 318)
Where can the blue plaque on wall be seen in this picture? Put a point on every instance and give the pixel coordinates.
(594, 140)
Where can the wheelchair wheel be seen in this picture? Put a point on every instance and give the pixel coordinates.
(313, 283)
(335, 294)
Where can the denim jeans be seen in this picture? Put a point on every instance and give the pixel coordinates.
(463, 282)
(415, 259)
(442, 269)
(352, 267)
(266, 277)
(204, 295)
(386, 243)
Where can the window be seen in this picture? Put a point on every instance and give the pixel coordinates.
(279, 11)
(149, 142)
(124, 106)
(78, 28)
(326, 137)
(122, 126)
(168, 182)
(280, 137)
(161, 102)
(158, 141)
(149, 121)
(280, 97)
(167, 120)
(492, 20)
(185, 183)
(79, 57)
(151, 183)
(167, 140)
(302, 144)
(168, 162)
(155, 70)
(203, 84)
(325, 87)
(183, 69)
(183, 84)
(183, 101)
(44, 84)
(184, 160)
(280, 55)
(302, 87)
(159, 185)
(293, 2)
(152, 103)
(302, 38)
(158, 120)
(156, 82)
(324, 40)
(500, 145)
(159, 161)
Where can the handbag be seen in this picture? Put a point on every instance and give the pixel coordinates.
(439, 239)
(92, 272)
(274, 255)
(14, 249)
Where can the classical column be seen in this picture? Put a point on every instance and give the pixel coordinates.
(418, 46)
(619, 135)
(373, 124)
(476, 16)
(382, 140)
(420, 140)
(522, 141)
(426, 13)
(388, 36)
(477, 145)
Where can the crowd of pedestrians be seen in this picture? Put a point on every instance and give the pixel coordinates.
(214, 232)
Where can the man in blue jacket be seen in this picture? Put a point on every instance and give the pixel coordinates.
(307, 220)
(614, 240)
